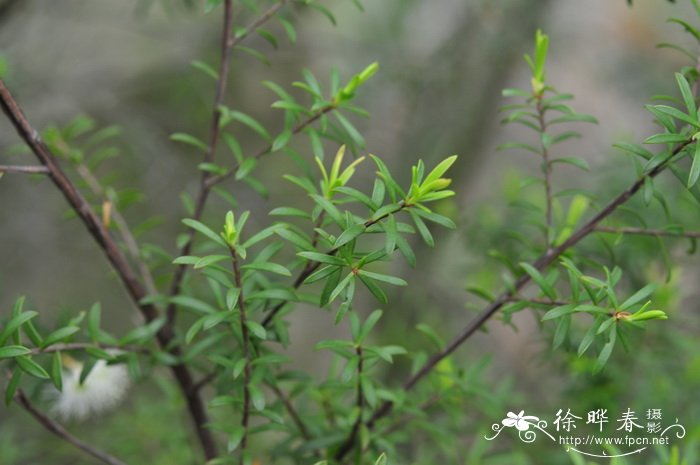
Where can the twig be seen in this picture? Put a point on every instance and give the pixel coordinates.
(360, 399)
(303, 430)
(262, 19)
(401, 422)
(115, 256)
(214, 180)
(648, 232)
(122, 226)
(23, 169)
(214, 131)
(546, 168)
(542, 262)
(56, 428)
(313, 266)
(247, 370)
(536, 301)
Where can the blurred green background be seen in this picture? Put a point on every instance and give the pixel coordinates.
(443, 64)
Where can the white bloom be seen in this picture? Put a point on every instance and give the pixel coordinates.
(103, 389)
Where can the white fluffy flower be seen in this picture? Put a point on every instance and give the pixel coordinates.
(103, 389)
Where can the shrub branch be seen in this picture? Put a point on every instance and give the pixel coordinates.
(541, 263)
(116, 258)
(59, 430)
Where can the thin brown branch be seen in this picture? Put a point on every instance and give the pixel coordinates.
(59, 430)
(360, 400)
(537, 301)
(648, 232)
(541, 263)
(313, 266)
(127, 236)
(405, 419)
(23, 169)
(262, 19)
(214, 180)
(214, 132)
(247, 370)
(296, 418)
(116, 258)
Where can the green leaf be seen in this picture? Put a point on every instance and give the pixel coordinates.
(194, 330)
(268, 266)
(695, 167)
(374, 289)
(209, 260)
(352, 131)
(257, 329)
(257, 396)
(13, 351)
(665, 139)
(12, 386)
(559, 311)
(200, 227)
(384, 278)
(435, 218)
(606, 351)
(57, 371)
(687, 93)
(205, 68)
(368, 325)
(251, 123)
(440, 169)
(539, 280)
(331, 209)
(677, 114)
(194, 304)
(191, 140)
(641, 294)
(349, 234)
(59, 335)
(15, 323)
(562, 331)
(589, 337)
(322, 258)
(340, 287)
(245, 168)
(32, 368)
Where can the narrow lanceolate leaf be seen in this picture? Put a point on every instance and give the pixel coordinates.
(32, 368)
(374, 289)
(687, 94)
(59, 335)
(638, 296)
(15, 323)
(539, 280)
(665, 139)
(384, 278)
(606, 351)
(322, 258)
(268, 266)
(349, 234)
(191, 140)
(13, 351)
(200, 227)
(695, 167)
(57, 371)
(677, 114)
(12, 386)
